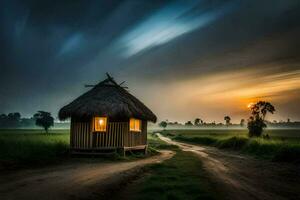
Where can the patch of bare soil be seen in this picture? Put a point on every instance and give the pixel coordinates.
(74, 181)
(243, 177)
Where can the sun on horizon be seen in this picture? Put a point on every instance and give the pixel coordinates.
(250, 105)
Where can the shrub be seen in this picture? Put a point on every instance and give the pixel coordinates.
(256, 127)
(235, 143)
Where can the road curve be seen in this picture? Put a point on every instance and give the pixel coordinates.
(71, 181)
(243, 177)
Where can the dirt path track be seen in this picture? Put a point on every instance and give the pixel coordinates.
(72, 181)
(245, 178)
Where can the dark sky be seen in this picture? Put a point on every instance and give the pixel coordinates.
(183, 59)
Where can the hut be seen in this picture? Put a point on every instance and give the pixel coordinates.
(107, 118)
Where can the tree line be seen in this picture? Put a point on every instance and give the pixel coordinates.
(256, 122)
(200, 122)
(14, 120)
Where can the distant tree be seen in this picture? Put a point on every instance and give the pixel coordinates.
(227, 120)
(3, 118)
(44, 119)
(14, 116)
(256, 122)
(198, 122)
(242, 123)
(189, 123)
(288, 120)
(163, 124)
(13, 119)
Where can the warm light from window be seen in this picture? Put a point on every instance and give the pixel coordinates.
(100, 124)
(135, 125)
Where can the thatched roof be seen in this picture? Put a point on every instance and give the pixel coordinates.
(109, 99)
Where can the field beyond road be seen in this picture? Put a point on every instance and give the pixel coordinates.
(281, 145)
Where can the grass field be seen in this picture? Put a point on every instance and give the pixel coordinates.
(284, 134)
(283, 144)
(33, 146)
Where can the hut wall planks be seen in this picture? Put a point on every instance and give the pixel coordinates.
(116, 136)
(132, 139)
(80, 137)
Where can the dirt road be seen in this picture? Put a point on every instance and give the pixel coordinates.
(72, 181)
(243, 177)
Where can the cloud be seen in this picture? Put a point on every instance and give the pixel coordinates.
(167, 24)
(71, 44)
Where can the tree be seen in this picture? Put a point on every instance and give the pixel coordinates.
(256, 122)
(198, 122)
(44, 119)
(13, 119)
(227, 120)
(242, 123)
(3, 120)
(189, 123)
(163, 124)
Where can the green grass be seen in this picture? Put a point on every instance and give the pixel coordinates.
(181, 177)
(284, 145)
(32, 146)
(284, 134)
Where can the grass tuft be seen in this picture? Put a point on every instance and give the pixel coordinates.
(235, 143)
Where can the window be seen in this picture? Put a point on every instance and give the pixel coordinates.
(100, 124)
(135, 125)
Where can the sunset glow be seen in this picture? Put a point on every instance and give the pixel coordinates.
(250, 105)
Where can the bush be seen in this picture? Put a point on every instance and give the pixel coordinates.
(235, 143)
(256, 127)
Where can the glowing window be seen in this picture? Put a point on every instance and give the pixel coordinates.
(100, 124)
(135, 125)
